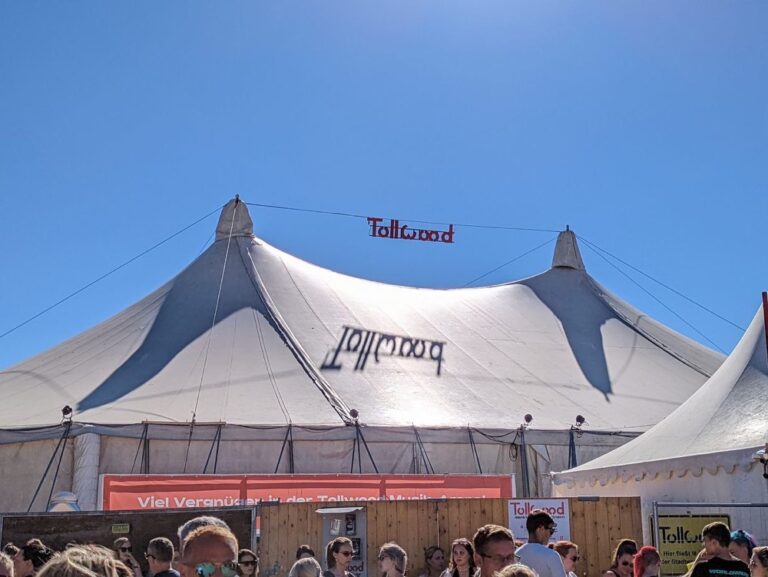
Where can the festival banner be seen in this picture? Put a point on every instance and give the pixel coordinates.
(559, 510)
(153, 492)
(680, 540)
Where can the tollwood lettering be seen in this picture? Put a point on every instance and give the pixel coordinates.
(362, 342)
(395, 230)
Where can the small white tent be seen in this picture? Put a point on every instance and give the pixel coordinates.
(704, 451)
(250, 347)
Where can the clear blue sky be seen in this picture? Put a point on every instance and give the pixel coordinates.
(643, 125)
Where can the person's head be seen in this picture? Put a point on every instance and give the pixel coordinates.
(304, 551)
(10, 549)
(392, 559)
(540, 526)
(741, 545)
(623, 558)
(6, 566)
(516, 570)
(462, 555)
(247, 563)
(159, 554)
(434, 559)
(716, 537)
(569, 552)
(758, 563)
(203, 521)
(305, 567)
(85, 561)
(209, 551)
(31, 557)
(647, 562)
(338, 553)
(494, 549)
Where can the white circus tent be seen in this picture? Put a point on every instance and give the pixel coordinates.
(704, 451)
(269, 358)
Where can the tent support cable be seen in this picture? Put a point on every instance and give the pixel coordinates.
(367, 450)
(288, 435)
(139, 447)
(474, 450)
(423, 451)
(62, 440)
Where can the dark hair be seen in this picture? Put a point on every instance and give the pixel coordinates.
(397, 554)
(625, 547)
(538, 518)
(162, 549)
(741, 537)
(333, 547)
(719, 532)
(461, 541)
(490, 534)
(430, 551)
(646, 556)
(303, 549)
(562, 547)
(761, 555)
(241, 553)
(11, 550)
(37, 553)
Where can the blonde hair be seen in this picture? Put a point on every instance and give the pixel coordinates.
(308, 566)
(85, 561)
(214, 531)
(6, 561)
(516, 570)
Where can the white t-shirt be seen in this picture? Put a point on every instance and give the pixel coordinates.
(545, 561)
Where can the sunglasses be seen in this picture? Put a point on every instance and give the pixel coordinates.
(126, 549)
(247, 562)
(625, 563)
(552, 529)
(346, 553)
(576, 558)
(207, 569)
(149, 556)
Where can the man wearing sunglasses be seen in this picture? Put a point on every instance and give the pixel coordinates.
(535, 554)
(209, 551)
(159, 556)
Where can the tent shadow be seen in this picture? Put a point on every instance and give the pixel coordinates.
(173, 329)
(581, 316)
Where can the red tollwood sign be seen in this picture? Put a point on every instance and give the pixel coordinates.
(395, 230)
(147, 492)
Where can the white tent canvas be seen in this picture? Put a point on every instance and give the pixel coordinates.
(704, 451)
(249, 346)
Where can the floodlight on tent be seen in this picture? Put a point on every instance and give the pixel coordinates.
(761, 456)
(528, 418)
(66, 414)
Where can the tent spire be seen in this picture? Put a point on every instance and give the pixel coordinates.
(243, 225)
(567, 253)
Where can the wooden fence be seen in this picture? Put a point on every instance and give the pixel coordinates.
(596, 526)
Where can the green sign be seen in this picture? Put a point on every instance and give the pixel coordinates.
(121, 528)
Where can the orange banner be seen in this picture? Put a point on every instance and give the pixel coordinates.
(147, 492)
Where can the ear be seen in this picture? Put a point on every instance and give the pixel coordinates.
(478, 559)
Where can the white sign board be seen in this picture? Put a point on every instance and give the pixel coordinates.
(559, 509)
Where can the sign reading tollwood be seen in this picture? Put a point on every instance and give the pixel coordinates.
(559, 509)
(394, 230)
(142, 492)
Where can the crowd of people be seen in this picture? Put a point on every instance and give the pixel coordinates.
(208, 548)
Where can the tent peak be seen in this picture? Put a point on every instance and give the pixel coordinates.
(235, 220)
(567, 253)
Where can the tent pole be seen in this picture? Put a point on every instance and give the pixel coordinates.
(280, 457)
(218, 444)
(524, 464)
(291, 462)
(367, 450)
(58, 465)
(64, 435)
(572, 462)
(474, 450)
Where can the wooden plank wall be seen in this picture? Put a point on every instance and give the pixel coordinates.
(596, 526)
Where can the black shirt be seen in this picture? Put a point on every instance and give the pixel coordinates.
(167, 573)
(717, 567)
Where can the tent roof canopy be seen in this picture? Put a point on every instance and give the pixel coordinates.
(252, 336)
(720, 425)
